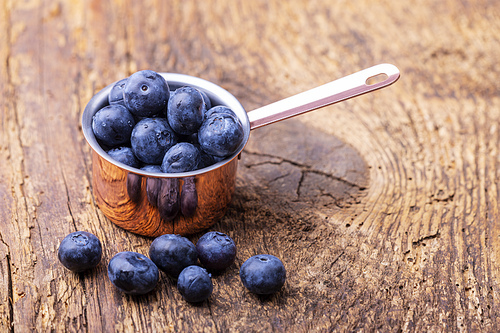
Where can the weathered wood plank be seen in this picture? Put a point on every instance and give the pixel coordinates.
(384, 209)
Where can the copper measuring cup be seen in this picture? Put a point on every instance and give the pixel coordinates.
(152, 204)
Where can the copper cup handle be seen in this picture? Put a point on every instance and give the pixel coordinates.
(362, 82)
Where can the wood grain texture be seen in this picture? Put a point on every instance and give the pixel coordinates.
(384, 209)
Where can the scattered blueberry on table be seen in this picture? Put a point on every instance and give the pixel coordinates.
(195, 284)
(133, 273)
(80, 251)
(172, 253)
(263, 274)
(216, 251)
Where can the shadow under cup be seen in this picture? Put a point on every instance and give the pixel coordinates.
(151, 203)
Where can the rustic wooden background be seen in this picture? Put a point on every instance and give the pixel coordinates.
(384, 209)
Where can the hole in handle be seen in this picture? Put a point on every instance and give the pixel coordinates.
(376, 79)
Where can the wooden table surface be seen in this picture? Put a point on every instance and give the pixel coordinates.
(384, 208)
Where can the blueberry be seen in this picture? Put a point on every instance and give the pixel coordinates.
(182, 157)
(133, 273)
(221, 134)
(116, 94)
(216, 251)
(206, 99)
(113, 125)
(192, 138)
(186, 109)
(80, 251)
(263, 274)
(151, 168)
(124, 155)
(218, 110)
(146, 94)
(206, 160)
(151, 138)
(172, 253)
(195, 284)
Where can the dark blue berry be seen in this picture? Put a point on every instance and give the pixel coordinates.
(218, 110)
(195, 284)
(113, 124)
(172, 253)
(80, 251)
(146, 94)
(151, 168)
(182, 157)
(263, 274)
(206, 99)
(116, 94)
(151, 138)
(221, 134)
(133, 273)
(206, 160)
(124, 155)
(216, 251)
(186, 109)
(193, 138)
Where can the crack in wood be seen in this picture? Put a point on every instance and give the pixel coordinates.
(337, 259)
(68, 200)
(10, 292)
(448, 198)
(84, 292)
(421, 240)
(304, 168)
(212, 316)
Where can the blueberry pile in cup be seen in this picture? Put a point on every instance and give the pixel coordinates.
(146, 124)
(176, 256)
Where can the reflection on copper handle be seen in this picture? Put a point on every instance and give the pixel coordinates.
(189, 197)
